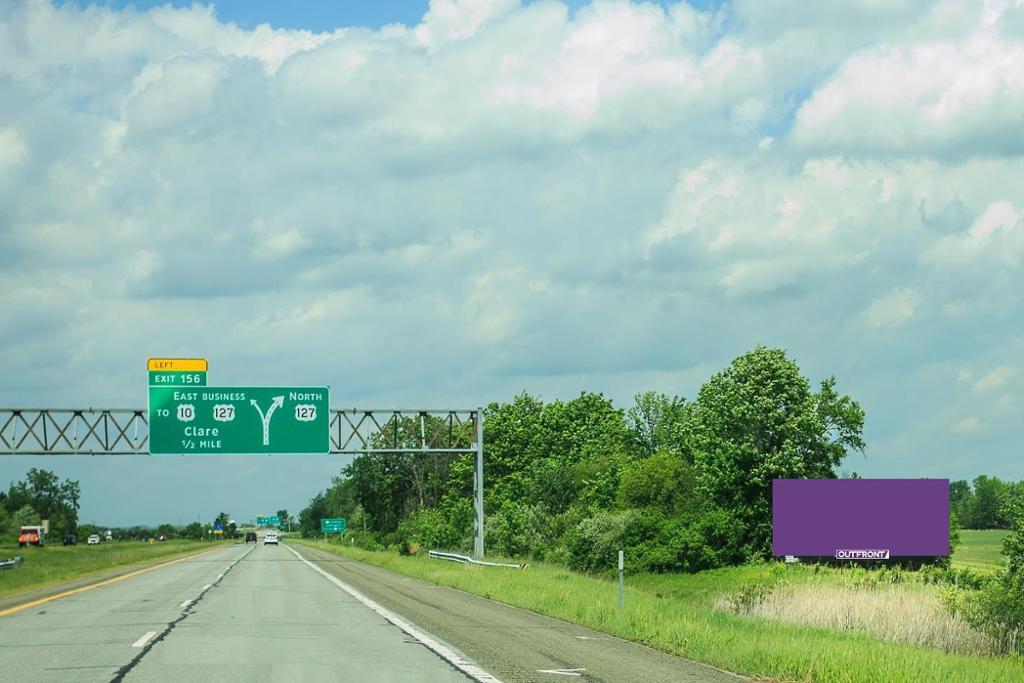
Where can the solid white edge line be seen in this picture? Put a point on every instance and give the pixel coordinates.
(561, 672)
(464, 665)
(186, 603)
(144, 638)
(206, 587)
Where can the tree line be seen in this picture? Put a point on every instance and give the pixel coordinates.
(987, 502)
(679, 484)
(41, 495)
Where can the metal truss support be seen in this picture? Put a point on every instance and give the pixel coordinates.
(72, 431)
(353, 431)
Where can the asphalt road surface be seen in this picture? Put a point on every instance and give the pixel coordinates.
(268, 613)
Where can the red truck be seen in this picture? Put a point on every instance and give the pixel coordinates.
(31, 535)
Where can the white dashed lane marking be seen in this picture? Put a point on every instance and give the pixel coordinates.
(143, 639)
(561, 672)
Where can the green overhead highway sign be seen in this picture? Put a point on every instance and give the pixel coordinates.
(268, 521)
(223, 420)
(332, 525)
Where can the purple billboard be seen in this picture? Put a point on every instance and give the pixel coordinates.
(860, 519)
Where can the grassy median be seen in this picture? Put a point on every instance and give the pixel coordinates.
(687, 615)
(55, 564)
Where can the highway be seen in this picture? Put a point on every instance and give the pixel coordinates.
(290, 613)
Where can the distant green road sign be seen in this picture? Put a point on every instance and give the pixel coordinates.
(333, 525)
(268, 521)
(222, 420)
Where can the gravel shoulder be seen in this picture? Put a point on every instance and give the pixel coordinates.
(513, 644)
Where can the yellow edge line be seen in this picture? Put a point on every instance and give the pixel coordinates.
(107, 582)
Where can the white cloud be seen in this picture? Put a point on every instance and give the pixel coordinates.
(993, 239)
(969, 425)
(278, 245)
(964, 95)
(453, 20)
(893, 309)
(997, 378)
(12, 148)
(998, 216)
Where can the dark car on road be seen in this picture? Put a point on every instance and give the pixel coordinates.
(70, 539)
(250, 536)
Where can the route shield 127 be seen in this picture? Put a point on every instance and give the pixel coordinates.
(212, 420)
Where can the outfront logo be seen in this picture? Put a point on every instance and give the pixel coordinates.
(862, 554)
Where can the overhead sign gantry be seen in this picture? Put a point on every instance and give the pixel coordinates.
(246, 421)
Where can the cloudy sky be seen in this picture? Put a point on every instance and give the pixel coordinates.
(444, 204)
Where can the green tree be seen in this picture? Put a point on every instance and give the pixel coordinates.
(663, 481)
(960, 500)
(310, 516)
(549, 454)
(51, 498)
(222, 520)
(998, 608)
(658, 422)
(193, 530)
(24, 516)
(282, 515)
(758, 420)
(336, 501)
(989, 504)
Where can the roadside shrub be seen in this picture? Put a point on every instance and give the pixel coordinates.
(961, 578)
(366, 540)
(749, 596)
(654, 542)
(997, 609)
(664, 481)
(594, 543)
(431, 528)
(713, 538)
(520, 530)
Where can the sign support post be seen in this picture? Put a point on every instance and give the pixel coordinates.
(622, 586)
(478, 480)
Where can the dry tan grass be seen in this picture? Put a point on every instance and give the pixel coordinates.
(898, 613)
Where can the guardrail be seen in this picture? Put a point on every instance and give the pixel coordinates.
(466, 559)
(11, 563)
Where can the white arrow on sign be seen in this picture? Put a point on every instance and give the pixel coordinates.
(278, 402)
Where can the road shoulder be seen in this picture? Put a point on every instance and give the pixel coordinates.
(510, 642)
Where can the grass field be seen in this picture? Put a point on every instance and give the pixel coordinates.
(53, 564)
(677, 613)
(980, 550)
